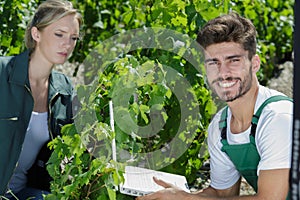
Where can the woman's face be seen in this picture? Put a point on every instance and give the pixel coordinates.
(57, 41)
(229, 71)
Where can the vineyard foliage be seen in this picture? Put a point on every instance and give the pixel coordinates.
(141, 57)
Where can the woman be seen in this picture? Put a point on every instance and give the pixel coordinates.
(35, 101)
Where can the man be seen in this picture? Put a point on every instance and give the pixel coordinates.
(252, 136)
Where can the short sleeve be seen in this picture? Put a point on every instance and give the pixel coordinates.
(274, 136)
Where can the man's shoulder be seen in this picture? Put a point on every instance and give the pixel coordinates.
(264, 94)
(213, 128)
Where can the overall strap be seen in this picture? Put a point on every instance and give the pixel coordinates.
(223, 123)
(245, 157)
(256, 116)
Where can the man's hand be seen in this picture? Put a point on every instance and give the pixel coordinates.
(170, 192)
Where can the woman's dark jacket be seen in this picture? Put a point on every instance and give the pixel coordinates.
(16, 106)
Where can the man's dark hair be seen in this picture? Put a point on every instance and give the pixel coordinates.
(229, 28)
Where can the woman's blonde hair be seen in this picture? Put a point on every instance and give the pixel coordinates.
(47, 13)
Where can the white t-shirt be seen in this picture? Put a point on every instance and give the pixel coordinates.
(36, 136)
(273, 140)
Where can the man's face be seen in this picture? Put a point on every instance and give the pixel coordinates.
(228, 70)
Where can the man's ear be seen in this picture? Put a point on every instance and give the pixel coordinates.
(255, 61)
(35, 34)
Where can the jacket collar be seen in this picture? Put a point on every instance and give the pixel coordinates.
(19, 75)
(19, 66)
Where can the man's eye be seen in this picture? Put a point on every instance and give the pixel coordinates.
(235, 60)
(58, 34)
(212, 63)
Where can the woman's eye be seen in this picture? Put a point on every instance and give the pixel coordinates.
(75, 38)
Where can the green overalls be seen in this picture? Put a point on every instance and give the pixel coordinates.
(245, 157)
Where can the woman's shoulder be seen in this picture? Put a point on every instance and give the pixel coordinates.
(4, 60)
(5, 68)
(9, 61)
(56, 75)
(61, 81)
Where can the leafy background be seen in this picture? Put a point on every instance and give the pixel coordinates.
(78, 174)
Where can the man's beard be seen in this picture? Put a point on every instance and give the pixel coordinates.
(245, 86)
